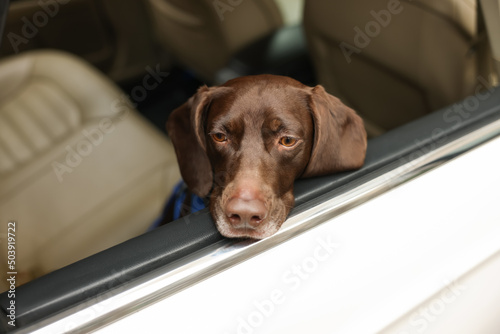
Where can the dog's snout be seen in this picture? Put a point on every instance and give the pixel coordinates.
(245, 212)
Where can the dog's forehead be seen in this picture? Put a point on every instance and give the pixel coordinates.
(259, 99)
(263, 80)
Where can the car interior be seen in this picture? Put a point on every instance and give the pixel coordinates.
(86, 87)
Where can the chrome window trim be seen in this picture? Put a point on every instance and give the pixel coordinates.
(173, 278)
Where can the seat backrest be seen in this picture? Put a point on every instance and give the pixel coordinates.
(203, 34)
(80, 169)
(393, 61)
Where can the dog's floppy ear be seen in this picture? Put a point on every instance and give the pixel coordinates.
(185, 127)
(339, 136)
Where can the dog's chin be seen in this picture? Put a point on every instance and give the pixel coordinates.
(263, 231)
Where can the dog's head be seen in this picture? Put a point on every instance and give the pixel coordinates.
(245, 142)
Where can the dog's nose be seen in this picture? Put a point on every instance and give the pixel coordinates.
(244, 212)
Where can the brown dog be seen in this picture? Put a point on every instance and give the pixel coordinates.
(245, 142)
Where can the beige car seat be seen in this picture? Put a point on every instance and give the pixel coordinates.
(80, 170)
(394, 61)
(203, 34)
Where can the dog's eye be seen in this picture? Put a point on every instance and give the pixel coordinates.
(219, 137)
(288, 141)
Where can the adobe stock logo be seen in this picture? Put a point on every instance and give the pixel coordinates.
(420, 320)
(372, 29)
(30, 28)
(292, 280)
(222, 7)
(74, 156)
(120, 107)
